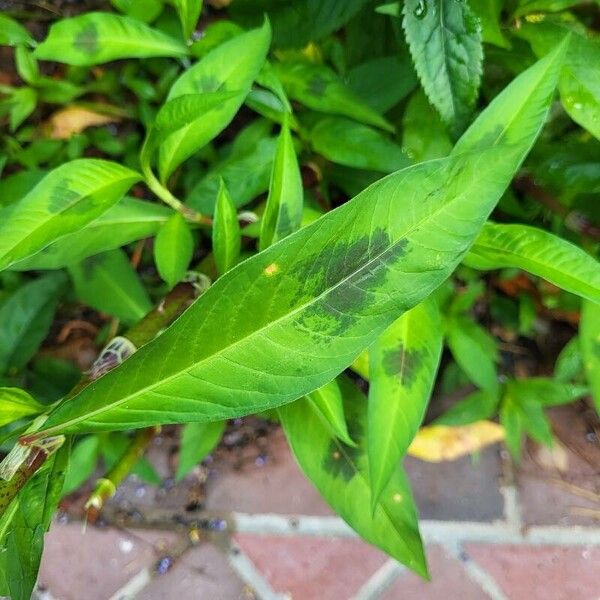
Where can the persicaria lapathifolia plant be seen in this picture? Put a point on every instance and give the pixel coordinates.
(304, 196)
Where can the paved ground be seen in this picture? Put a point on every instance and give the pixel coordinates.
(490, 534)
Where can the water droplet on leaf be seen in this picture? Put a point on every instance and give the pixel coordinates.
(421, 9)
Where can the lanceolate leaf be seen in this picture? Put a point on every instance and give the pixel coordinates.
(538, 252)
(402, 366)
(329, 403)
(173, 249)
(189, 13)
(109, 283)
(230, 67)
(197, 441)
(67, 198)
(291, 318)
(445, 42)
(13, 33)
(226, 235)
(126, 222)
(25, 318)
(99, 37)
(589, 337)
(341, 474)
(15, 404)
(283, 213)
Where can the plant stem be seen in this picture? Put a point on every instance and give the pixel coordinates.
(106, 486)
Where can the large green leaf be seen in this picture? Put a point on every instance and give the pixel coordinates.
(283, 212)
(289, 319)
(66, 199)
(353, 144)
(402, 366)
(230, 67)
(341, 474)
(129, 220)
(589, 338)
(98, 37)
(108, 283)
(25, 318)
(539, 252)
(445, 42)
(318, 87)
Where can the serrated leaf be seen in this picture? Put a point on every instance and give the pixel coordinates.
(198, 440)
(16, 404)
(328, 402)
(230, 67)
(13, 33)
(326, 292)
(108, 283)
(98, 37)
(589, 338)
(127, 221)
(189, 13)
(283, 212)
(25, 318)
(403, 363)
(173, 249)
(226, 234)
(67, 198)
(318, 87)
(540, 253)
(341, 474)
(353, 144)
(444, 37)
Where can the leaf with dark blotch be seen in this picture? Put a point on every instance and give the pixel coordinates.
(403, 363)
(291, 318)
(341, 474)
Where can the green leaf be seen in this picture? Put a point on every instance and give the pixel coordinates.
(173, 249)
(424, 136)
(283, 213)
(371, 81)
(444, 37)
(478, 406)
(318, 87)
(353, 144)
(589, 337)
(530, 6)
(324, 293)
(22, 103)
(341, 474)
(245, 176)
(328, 402)
(297, 23)
(13, 34)
(569, 363)
(16, 404)
(475, 351)
(488, 13)
(25, 319)
(98, 37)
(198, 440)
(230, 67)
(67, 198)
(403, 363)
(545, 391)
(108, 283)
(538, 252)
(142, 10)
(127, 221)
(189, 13)
(512, 419)
(82, 463)
(226, 234)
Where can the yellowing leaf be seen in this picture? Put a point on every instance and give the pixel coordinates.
(437, 443)
(68, 121)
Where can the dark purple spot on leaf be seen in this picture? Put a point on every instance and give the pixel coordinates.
(403, 363)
